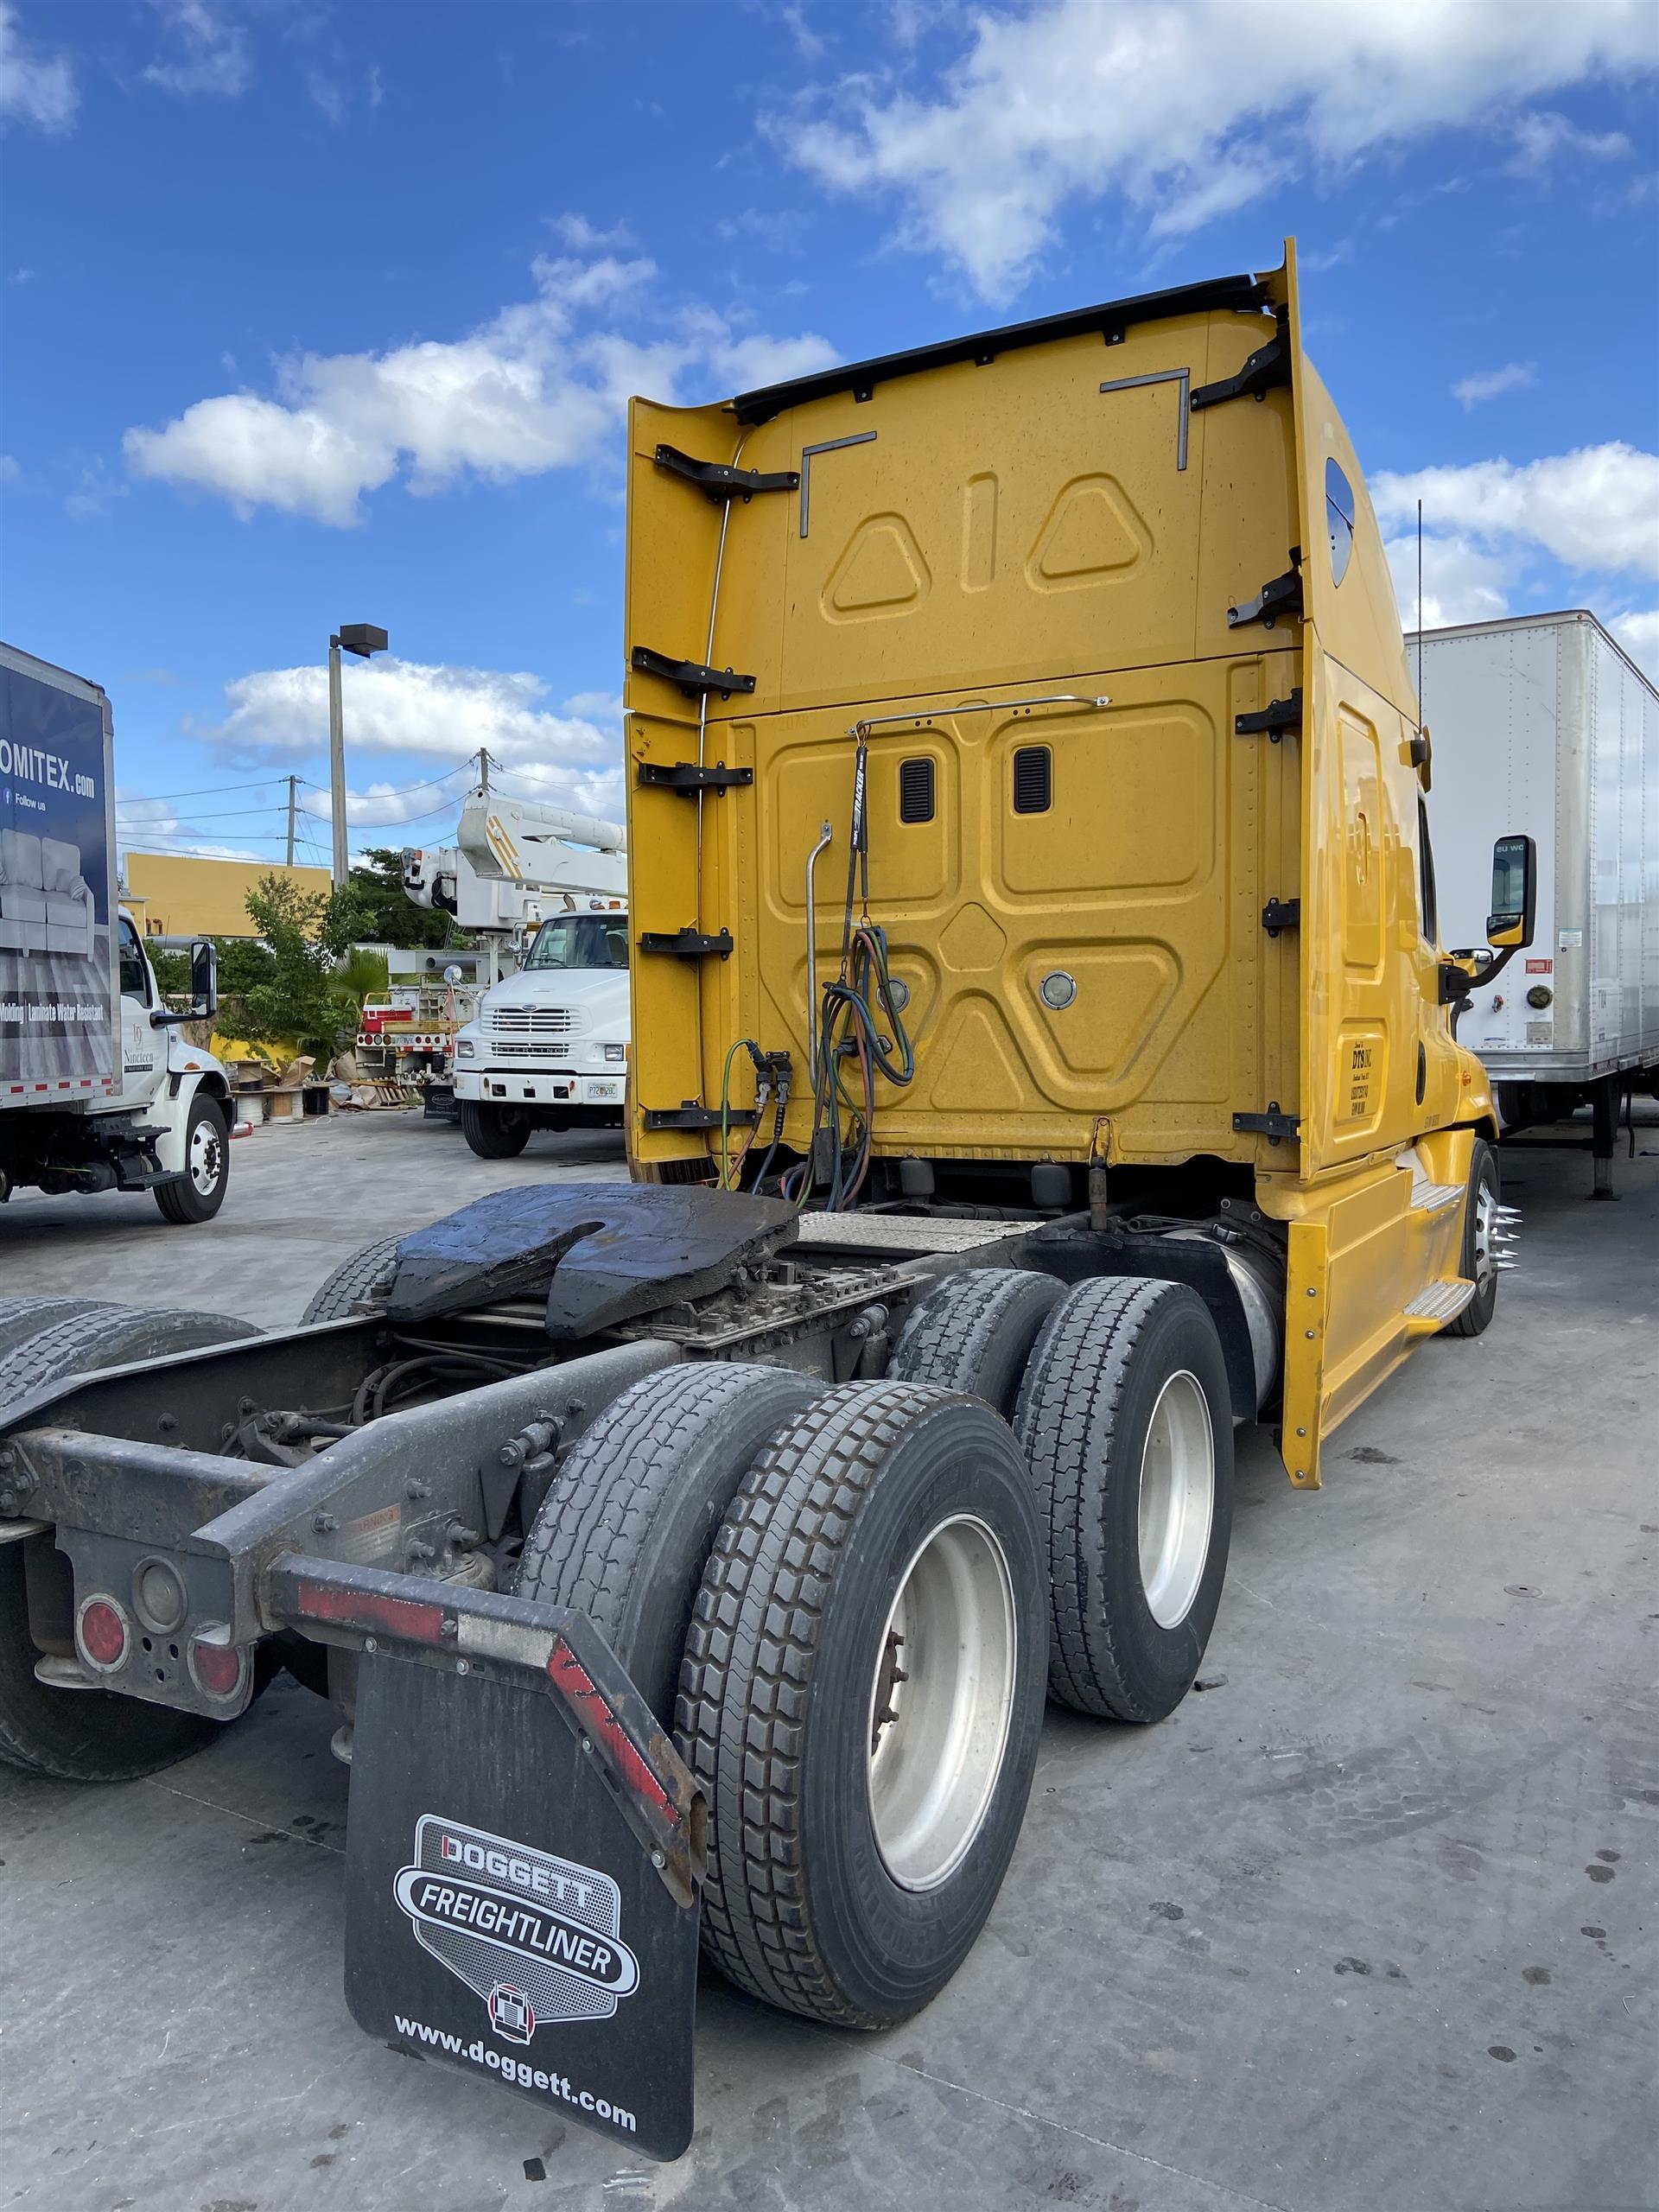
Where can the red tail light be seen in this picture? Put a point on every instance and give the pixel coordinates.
(101, 1632)
(216, 1668)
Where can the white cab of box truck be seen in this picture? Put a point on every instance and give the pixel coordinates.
(99, 1091)
(549, 1047)
(1544, 723)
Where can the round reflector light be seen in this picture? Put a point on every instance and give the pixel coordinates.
(102, 1633)
(159, 1595)
(216, 1668)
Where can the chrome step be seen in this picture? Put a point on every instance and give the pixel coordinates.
(1430, 1197)
(1440, 1303)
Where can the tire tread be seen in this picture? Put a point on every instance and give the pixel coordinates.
(748, 1680)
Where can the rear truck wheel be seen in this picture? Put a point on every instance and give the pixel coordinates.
(862, 1700)
(627, 1528)
(77, 1735)
(200, 1193)
(493, 1132)
(354, 1281)
(974, 1332)
(1126, 1419)
(109, 1336)
(27, 1317)
(1481, 1237)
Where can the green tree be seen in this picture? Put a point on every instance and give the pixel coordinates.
(301, 995)
(387, 913)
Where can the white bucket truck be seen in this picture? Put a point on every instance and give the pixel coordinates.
(549, 1049)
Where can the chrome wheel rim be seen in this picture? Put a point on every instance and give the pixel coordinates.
(941, 1702)
(1485, 1224)
(206, 1157)
(1178, 1499)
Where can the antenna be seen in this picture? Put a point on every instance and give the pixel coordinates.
(1420, 618)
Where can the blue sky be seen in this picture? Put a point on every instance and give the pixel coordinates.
(319, 313)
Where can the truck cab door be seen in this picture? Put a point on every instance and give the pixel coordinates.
(142, 1047)
(1437, 1054)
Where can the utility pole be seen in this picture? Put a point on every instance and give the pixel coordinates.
(361, 638)
(292, 781)
(483, 768)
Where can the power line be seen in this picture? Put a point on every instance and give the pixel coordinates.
(226, 814)
(214, 790)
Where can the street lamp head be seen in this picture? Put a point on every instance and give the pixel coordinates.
(361, 638)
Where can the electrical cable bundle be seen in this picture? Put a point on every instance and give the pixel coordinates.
(852, 1050)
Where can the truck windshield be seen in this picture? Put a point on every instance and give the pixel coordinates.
(581, 941)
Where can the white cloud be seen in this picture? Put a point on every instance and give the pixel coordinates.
(151, 825)
(577, 235)
(37, 88)
(1595, 510)
(428, 713)
(1639, 635)
(541, 386)
(1460, 584)
(10, 470)
(1491, 384)
(209, 58)
(1540, 140)
(1187, 113)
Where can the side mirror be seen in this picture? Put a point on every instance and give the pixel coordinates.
(1514, 894)
(204, 978)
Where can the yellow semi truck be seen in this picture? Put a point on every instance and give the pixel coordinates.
(1095, 615)
(1044, 1061)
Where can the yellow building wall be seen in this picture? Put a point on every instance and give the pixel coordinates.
(174, 894)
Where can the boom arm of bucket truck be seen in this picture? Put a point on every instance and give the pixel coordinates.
(509, 856)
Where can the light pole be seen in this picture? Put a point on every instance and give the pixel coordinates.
(361, 638)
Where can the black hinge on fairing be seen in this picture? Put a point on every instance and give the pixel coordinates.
(688, 777)
(722, 481)
(1281, 914)
(687, 943)
(1267, 369)
(691, 675)
(1283, 596)
(1272, 1124)
(696, 1117)
(1274, 720)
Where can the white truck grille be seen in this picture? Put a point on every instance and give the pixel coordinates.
(535, 1028)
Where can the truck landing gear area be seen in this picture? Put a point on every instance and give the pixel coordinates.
(1393, 1857)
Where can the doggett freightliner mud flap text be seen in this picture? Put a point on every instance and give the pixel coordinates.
(521, 1888)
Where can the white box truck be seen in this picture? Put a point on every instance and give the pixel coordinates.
(1544, 724)
(99, 1091)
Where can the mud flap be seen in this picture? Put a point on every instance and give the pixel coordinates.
(504, 1915)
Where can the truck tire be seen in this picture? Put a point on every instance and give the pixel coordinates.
(78, 1735)
(109, 1337)
(1479, 1256)
(493, 1132)
(1126, 1419)
(627, 1528)
(975, 1330)
(862, 1813)
(353, 1281)
(27, 1317)
(200, 1193)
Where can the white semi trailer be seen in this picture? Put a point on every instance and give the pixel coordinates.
(1543, 723)
(98, 1089)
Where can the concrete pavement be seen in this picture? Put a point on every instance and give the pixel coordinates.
(1368, 1926)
